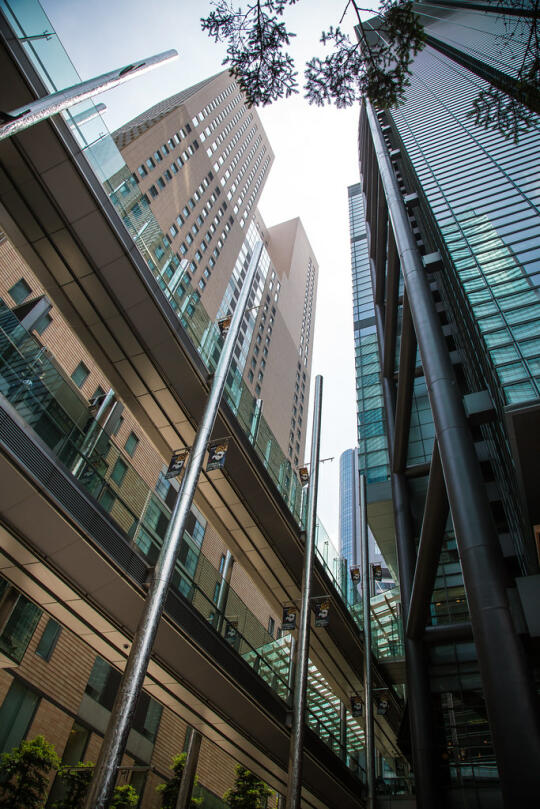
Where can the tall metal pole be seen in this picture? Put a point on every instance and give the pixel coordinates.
(292, 669)
(294, 785)
(190, 770)
(368, 674)
(343, 731)
(112, 749)
(94, 433)
(224, 589)
(36, 111)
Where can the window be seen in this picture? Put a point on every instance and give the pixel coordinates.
(222, 563)
(216, 593)
(98, 393)
(80, 374)
(16, 714)
(102, 687)
(271, 626)
(118, 426)
(20, 291)
(131, 444)
(45, 320)
(119, 471)
(47, 642)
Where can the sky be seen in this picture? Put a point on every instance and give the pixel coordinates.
(316, 159)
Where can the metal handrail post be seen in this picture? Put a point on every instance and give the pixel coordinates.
(368, 674)
(294, 784)
(35, 111)
(112, 749)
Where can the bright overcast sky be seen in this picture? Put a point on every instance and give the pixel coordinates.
(316, 159)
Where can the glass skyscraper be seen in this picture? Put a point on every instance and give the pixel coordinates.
(450, 210)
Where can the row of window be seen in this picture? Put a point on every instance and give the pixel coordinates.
(162, 153)
(212, 105)
(167, 176)
(255, 191)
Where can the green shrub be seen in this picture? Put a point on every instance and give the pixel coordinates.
(248, 792)
(25, 774)
(124, 797)
(169, 791)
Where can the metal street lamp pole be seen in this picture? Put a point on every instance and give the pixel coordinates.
(112, 749)
(294, 785)
(368, 674)
(190, 769)
(24, 117)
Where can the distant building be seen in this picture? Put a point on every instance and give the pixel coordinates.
(349, 524)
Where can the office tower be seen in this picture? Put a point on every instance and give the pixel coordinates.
(201, 159)
(451, 213)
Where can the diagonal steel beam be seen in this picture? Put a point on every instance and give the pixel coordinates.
(429, 548)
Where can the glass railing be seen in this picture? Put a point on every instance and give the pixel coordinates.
(36, 388)
(387, 624)
(323, 708)
(18, 619)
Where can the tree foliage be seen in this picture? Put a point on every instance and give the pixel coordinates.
(169, 791)
(377, 65)
(255, 54)
(25, 774)
(509, 106)
(248, 792)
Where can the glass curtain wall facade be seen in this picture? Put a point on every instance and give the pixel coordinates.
(469, 213)
(372, 444)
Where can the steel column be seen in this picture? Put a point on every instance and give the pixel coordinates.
(380, 246)
(429, 548)
(390, 318)
(112, 749)
(190, 770)
(511, 700)
(296, 749)
(36, 111)
(427, 790)
(407, 365)
(368, 674)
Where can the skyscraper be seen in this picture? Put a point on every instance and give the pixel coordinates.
(201, 159)
(451, 212)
